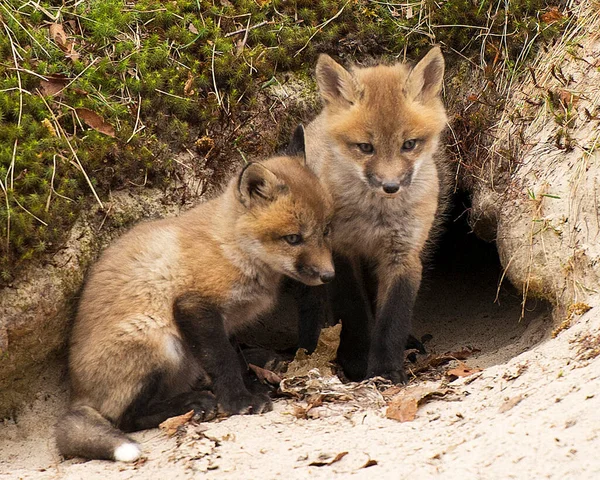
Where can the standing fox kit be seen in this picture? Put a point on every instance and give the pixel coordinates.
(373, 147)
(152, 335)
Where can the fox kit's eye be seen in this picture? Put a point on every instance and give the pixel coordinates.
(365, 147)
(294, 239)
(409, 144)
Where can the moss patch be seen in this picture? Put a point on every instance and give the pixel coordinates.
(165, 74)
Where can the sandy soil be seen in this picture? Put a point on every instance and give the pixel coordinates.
(534, 411)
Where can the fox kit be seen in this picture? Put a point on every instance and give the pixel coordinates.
(373, 146)
(152, 334)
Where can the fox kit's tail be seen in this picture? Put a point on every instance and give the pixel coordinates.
(83, 432)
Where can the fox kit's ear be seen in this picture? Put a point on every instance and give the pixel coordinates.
(297, 146)
(425, 79)
(257, 185)
(336, 84)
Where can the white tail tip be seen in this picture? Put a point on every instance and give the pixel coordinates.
(127, 452)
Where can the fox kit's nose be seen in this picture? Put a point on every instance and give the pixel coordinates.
(327, 277)
(390, 187)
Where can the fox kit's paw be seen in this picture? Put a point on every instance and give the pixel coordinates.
(395, 376)
(246, 403)
(204, 405)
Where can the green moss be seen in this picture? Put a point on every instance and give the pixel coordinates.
(139, 56)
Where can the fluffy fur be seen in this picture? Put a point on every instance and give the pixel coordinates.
(151, 338)
(374, 146)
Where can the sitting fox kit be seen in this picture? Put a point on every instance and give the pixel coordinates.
(373, 146)
(152, 335)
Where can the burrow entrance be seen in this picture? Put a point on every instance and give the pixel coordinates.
(461, 303)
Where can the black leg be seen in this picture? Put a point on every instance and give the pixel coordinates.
(313, 314)
(204, 405)
(151, 408)
(350, 304)
(201, 324)
(392, 327)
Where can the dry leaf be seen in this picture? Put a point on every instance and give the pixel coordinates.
(71, 53)
(403, 406)
(462, 370)
(391, 391)
(337, 458)
(403, 409)
(192, 28)
(53, 85)
(552, 15)
(315, 400)
(187, 88)
(510, 403)
(567, 98)
(95, 121)
(58, 35)
(170, 425)
(369, 463)
(265, 376)
(321, 358)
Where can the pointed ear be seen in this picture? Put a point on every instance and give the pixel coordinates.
(426, 78)
(297, 147)
(336, 84)
(257, 185)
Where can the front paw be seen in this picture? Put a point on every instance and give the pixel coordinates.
(395, 375)
(204, 405)
(245, 403)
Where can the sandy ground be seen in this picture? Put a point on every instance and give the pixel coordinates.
(534, 411)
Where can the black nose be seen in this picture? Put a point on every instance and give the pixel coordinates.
(327, 277)
(391, 187)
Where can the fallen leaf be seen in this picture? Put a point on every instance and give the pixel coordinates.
(391, 391)
(95, 121)
(71, 53)
(337, 458)
(187, 88)
(265, 376)
(53, 85)
(192, 28)
(510, 403)
(321, 358)
(403, 406)
(462, 370)
(403, 409)
(552, 15)
(567, 98)
(58, 35)
(369, 463)
(315, 400)
(170, 425)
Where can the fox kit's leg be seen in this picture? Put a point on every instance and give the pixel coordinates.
(313, 313)
(154, 405)
(352, 305)
(202, 326)
(124, 382)
(398, 284)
